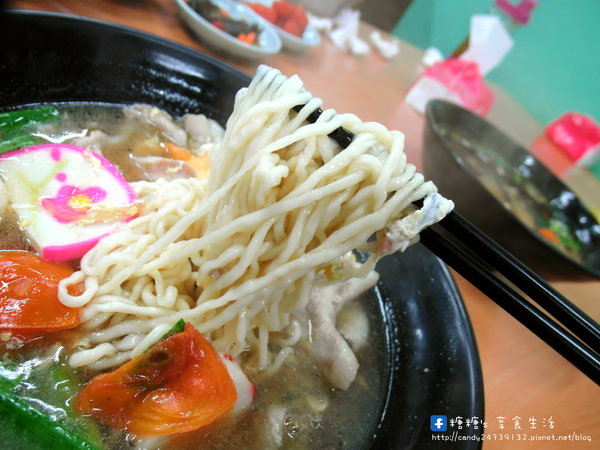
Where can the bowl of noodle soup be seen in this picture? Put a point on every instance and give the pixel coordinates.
(418, 358)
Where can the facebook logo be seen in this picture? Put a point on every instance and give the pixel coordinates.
(439, 423)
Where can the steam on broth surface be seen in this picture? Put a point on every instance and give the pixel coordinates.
(244, 238)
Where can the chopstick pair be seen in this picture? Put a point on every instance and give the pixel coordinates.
(475, 256)
(580, 346)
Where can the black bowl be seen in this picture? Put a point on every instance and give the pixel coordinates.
(431, 366)
(508, 194)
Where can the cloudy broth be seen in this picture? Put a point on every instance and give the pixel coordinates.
(295, 408)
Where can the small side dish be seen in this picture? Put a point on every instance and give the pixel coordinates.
(220, 18)
(230, 28)
(290, 21)
(287, 16)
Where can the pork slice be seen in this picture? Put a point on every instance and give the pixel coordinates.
(198, 130)
(331, 351)
(95, 140)
(159, 119)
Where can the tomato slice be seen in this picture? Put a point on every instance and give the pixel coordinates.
(29, 294)
(178, 385)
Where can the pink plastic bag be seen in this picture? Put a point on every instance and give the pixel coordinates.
(574, 133)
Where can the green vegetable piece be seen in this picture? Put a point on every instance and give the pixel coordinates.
(15, 126)
(17, 142)
(56, 387)
(32, 429)
(177, 328)
(566, 236)
(13, 121)
(10, 376)
(63, 387)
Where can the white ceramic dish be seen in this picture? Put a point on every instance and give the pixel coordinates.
(269, 42)
(310, 37)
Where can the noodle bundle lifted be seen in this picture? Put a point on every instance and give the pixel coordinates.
(237, 255)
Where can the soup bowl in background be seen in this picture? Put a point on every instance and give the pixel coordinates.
(508, 194)
(430, 364)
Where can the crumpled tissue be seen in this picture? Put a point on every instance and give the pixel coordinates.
(322, 24)
(342, 30)
(345, 32)
(386, 48)
(431, 56)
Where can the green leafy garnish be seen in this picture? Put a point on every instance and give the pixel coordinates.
(177, 328)
(55, 387)
(16, 126)
(564, 233)
(10, 376)
(33, 429)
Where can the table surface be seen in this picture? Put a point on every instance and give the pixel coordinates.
(523, 377)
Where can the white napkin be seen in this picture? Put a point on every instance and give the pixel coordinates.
(426, 89)
(342, 30)
(489, 42)
(386, 48)
(345, 32)
(322, 24)
(431, 56)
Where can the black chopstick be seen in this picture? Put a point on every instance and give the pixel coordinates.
(572, 349)
(528, 281)
(340, 135)
(580, 348)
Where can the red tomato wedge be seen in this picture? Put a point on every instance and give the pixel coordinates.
(288, 16)
(29, 294)
(264, 11)
(178, 385)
